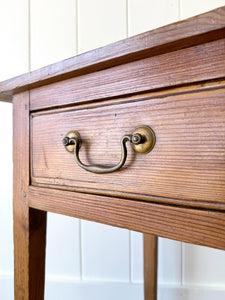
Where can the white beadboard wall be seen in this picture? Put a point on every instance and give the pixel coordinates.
(85, 260)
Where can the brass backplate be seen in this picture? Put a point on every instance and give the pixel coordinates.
(149, 139)
(73, 134)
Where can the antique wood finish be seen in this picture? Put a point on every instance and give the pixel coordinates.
(171, 79)
(29, 223)
(195, 226)
(187, 161)
(150, 266)
(193, 31)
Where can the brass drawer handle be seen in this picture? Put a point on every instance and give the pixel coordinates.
(142, 141)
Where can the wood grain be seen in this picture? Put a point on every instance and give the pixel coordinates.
(195, 226)
(187, 162)
(186, 168)
(150, 266)
(29, 224)
(206, 27)
(171, 69)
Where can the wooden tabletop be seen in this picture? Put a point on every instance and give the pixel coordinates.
(203, 28)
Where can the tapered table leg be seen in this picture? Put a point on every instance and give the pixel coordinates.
(29, 223)
(150, 266)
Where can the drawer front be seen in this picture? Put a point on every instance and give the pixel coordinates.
(186, 165)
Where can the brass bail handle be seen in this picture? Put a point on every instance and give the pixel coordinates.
(142, 141)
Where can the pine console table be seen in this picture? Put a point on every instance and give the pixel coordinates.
(131, 135)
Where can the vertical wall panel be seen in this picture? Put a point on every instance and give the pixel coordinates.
(52, 31)
(105, 252)
(63, 251)
(100, 22)
(190, 8)
(6, 227)
(204, 266)
(169, 262)
(144, 15)
(14, 38)
(137, 275)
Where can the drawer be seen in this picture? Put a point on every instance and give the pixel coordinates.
(186, 165)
